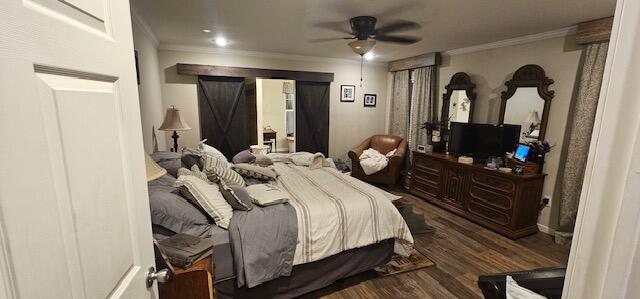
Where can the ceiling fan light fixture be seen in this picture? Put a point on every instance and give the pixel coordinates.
(361, 47)
(368, 56)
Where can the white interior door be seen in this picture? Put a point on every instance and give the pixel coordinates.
(74, 212)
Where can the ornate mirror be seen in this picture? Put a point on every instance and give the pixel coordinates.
(457, 102)
(527, 102)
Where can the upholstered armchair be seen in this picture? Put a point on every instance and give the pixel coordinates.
(384, 144)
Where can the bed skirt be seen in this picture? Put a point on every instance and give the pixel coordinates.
(312, 276)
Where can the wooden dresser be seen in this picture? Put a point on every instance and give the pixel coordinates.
(504, 202)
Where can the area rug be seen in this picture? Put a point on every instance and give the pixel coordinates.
(399, 264)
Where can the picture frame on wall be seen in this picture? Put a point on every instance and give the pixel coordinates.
(347, 93)
(370, 100)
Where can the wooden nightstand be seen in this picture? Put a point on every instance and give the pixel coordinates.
(194, 283)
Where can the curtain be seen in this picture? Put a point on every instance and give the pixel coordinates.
(423, 104)
(580, 128)
(399, 121)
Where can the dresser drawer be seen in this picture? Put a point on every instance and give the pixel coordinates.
(427, 165)
(433, 178)
(488, 214)
(490, 198)
(425, 187)
(492, 182)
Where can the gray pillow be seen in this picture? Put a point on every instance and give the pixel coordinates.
(255, 171)
(172, 211)
(244, 157)
(236, 196)
(191, 157)
(170, 161)
(263, 160)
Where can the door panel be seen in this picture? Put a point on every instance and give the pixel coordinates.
(74, 107)
(74, 209)
(312, 117)
(224, 114)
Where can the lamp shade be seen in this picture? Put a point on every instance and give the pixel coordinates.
(154, 170)
(362, 46)
(532, 118)
(173, 121)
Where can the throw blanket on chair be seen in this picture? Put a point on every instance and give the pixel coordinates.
(373, 161)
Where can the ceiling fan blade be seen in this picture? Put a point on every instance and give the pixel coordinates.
(338, 26)
(397, 39)
(328, 39)
(402, 25)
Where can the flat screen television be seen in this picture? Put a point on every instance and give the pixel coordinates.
(510, 137)
(482, 140)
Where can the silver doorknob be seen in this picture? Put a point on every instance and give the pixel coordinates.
(161, 276)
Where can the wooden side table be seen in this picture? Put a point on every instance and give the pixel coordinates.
(270, 135)
(194, 283)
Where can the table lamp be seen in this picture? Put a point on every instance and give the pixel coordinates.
(173, 122)
(533, 120)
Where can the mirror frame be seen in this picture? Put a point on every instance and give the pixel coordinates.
(459, 81)
(530, 75)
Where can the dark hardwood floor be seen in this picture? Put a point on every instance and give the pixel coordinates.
(461, 250)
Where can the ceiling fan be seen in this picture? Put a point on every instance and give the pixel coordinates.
(365, 33)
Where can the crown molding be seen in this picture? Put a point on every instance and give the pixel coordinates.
(138, 20)
(281, 56)
(514, 41)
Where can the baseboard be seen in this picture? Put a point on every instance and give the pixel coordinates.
(547, 230)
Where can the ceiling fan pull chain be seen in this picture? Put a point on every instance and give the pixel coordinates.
(361, 63)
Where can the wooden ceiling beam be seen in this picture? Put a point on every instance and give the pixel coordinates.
(229, 71)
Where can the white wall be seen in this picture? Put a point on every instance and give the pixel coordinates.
(490, 69)
(151, 107)
(350, 123)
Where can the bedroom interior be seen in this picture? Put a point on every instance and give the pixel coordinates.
(334, 149)
(527, 83)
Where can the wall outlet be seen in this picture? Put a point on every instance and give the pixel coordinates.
(546, 200)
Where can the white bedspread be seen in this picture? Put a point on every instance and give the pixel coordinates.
(373, 161)
(336, 212)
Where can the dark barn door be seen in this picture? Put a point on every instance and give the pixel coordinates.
(224, 113)
(312, 117)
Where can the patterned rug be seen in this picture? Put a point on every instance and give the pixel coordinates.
(399, 264)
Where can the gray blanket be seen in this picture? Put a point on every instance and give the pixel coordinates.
(263, 242)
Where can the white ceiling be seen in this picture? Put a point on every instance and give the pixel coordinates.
(284, 26)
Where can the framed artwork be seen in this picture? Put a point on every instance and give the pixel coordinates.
(347, 93)
(370, 100)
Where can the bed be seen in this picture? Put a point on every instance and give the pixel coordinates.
(344, 227)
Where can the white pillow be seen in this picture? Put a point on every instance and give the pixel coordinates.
(515, 291)
(214, 153)
(266, 194)
(207, 196)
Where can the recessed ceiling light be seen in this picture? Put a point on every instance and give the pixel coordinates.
(206, 30)
(369, 56)
(221, 41)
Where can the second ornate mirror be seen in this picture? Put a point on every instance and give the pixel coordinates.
(457, 102)
(527, 102)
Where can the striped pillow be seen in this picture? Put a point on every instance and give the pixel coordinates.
(210, 161)
(195, 171)
(227, 174)
(208, 197)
